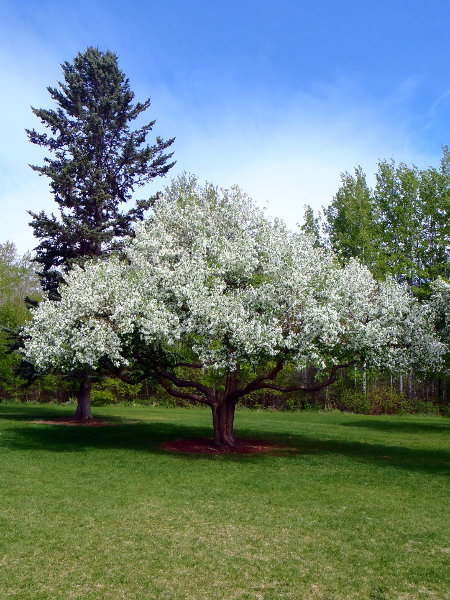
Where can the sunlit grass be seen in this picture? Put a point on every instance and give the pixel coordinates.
(355, 508)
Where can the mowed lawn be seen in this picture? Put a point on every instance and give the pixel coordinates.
(355, 508)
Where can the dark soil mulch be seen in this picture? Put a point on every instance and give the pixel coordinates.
(205, 446)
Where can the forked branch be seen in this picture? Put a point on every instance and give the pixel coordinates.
(182, 395)
(258, 383)
(306, 388)
(183, 383)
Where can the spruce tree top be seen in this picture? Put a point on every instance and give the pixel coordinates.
(97, 162)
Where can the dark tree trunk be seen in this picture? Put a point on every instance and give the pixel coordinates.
(84, 399)
(223, 423)
(223, 413)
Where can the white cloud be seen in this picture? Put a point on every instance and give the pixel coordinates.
(295, 155)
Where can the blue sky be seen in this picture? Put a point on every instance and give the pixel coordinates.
(278, 97)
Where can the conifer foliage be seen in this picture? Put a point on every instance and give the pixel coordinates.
(97, 162)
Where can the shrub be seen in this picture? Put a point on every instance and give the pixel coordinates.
(384, 401)
(113, 391)
(421, 407)
(352, 401)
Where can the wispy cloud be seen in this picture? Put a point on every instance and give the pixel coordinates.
(294, 154)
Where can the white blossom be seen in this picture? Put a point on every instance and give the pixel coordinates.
(211, 272)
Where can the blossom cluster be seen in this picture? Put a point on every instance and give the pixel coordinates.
(211, 272)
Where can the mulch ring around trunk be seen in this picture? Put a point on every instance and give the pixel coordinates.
(73, 421)
(205, 446)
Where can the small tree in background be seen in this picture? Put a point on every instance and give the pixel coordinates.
(17, 281)
(311, 225)
(97, 162)
(351, 221)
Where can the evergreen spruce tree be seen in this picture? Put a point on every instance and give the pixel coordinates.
(97, 162)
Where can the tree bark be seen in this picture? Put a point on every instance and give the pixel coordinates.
(223, 423)
(84, 399)
(364, 380)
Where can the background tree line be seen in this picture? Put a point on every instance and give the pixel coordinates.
(399, 228)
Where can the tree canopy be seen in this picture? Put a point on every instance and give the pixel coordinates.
(17, 281)
(400, 227)
(214, 300)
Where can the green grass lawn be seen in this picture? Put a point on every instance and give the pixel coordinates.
(355, 509)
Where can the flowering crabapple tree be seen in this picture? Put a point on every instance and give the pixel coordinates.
(214, 300)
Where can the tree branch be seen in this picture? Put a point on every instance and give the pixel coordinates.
(184, 383)
(305, 388)
(182, 395)
(257, 383)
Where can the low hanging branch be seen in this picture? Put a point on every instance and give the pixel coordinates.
(183, 383)
(180, 394)
(223, 402)
(307, 388)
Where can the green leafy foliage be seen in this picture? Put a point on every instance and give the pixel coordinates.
(17, 281)
(400, 228)
(414, 222)
(114, 391)
(351, 221)
(311, 225)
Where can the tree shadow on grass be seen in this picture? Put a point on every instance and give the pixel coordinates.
(79, 438)
(22, 412)
(50, 418)
(400, 426)
(148, 437)
(433, 461)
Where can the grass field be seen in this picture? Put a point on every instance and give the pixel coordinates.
(356, 508)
